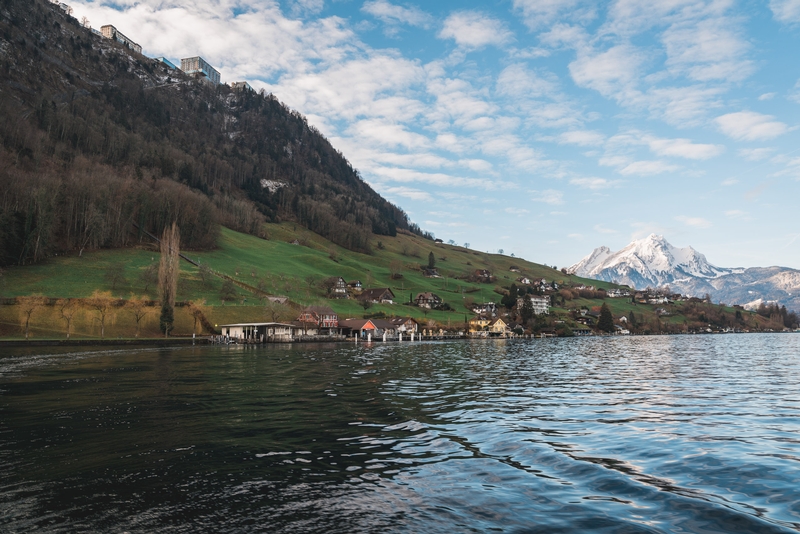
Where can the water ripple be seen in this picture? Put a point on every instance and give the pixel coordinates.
(655, 434)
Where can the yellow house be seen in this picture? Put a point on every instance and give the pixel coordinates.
(498, 327)
(478, 324)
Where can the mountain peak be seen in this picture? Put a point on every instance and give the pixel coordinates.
(650, 261)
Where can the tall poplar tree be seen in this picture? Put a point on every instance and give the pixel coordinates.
(168, 276)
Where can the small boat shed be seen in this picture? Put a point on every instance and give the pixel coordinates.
(258, 332)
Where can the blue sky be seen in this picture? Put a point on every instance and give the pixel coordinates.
(544, 128)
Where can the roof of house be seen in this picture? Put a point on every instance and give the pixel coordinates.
(382, 324)
(375, 294)
(357, 324)
(401, 320)
(427, 296)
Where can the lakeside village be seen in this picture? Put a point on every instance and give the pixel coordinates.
(524, 312)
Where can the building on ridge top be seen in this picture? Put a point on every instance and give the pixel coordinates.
(110, 32)
(241, 86)
(167, 62)
(201, 68)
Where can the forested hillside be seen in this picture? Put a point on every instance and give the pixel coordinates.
(98, 144)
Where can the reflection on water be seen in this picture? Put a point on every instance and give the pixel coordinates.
(648, 434)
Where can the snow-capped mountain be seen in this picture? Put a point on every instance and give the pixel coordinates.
(653, 262)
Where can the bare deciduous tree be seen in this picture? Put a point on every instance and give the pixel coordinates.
(67, 308)
(198, 311)
(27, 307)
(138, 306)
(149, 276)
(103, 303)
(115, 274)
(276, 312)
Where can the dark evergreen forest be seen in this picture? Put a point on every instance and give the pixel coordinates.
(98, 144)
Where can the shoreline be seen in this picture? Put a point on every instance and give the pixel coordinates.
(103, 342)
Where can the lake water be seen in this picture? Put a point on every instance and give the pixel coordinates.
(643, 434)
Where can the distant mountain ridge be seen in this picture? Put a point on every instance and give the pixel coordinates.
(654, 262)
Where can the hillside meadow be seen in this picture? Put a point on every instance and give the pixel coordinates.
(275, 265)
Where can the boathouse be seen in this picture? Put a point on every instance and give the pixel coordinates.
(258, 332)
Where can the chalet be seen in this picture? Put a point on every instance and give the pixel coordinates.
(321, 317)
(486, 308)
(355, 286)
(618, 293)
(586, 321)
(404, 324)
(621, 331)
(382, 295)
(428, 300)
(498, 327)
(482, 275)
(431, 273)
(514, 269)
(338, 288)
(524, 280)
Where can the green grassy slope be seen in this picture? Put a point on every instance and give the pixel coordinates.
(296, 271)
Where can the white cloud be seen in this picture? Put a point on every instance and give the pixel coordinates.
(394, 14)
(516, 211)
(380, 132)
(648, 167)
(755, 154)
(682, 106)
(729, 182)
(594, 183)
(473, 30)
(767, 96)
(549, 196)
(750, 126)
(603, 230)
(581, 138)
(612, 73)
(694, 222)
(707, 49)
(683, 148)
(785, 10)
(542, 13)
(407, 192)
(395, 174)
(738, 214)
(794, 95)
(307, 6)
(519, 81)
